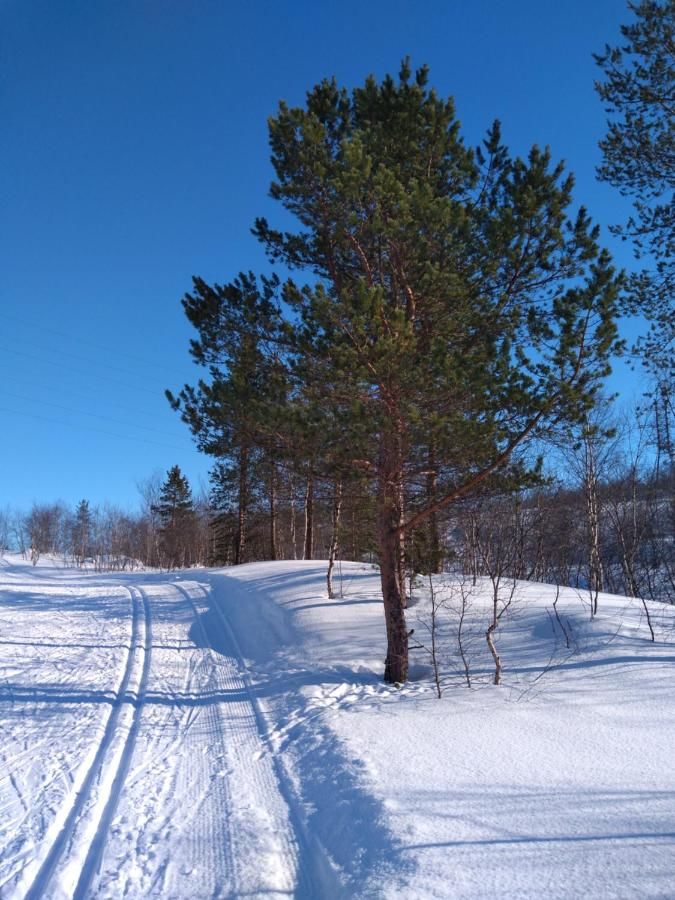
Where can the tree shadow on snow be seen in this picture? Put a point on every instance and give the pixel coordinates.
(330, 787)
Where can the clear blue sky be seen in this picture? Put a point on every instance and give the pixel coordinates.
(134, 155)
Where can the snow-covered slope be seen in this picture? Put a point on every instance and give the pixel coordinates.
(225, 733)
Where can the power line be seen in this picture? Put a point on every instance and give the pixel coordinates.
(88, 374)
(124, 437)
(33, 324)
(84, 359)
(68, 392)
(81, 412)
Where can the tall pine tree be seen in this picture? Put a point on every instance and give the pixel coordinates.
(454, 307)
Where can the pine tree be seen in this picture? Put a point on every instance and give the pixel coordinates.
(232, 415)
(639, 159)
(176, 514)
(458, 306)
(454, 309)
(82, 532)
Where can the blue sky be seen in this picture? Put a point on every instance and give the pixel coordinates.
(134, 155)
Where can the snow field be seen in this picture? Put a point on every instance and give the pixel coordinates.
(225, 733)
(557, 783)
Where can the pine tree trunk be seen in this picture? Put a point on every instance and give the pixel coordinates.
(308, 551)
(334, 540)
(390, 546)
(401, 547)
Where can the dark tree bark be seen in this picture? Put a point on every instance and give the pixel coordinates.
(291, 526)
(390, 546)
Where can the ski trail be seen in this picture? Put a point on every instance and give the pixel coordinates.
(170, 836)
(222, 785)
(201, 813)
(181, 794)
(74, 831)
(261, 829)
(316, 876)
(127, 743)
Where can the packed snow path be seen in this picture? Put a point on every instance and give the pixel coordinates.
(151, 772)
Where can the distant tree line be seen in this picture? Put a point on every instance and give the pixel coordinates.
(171, 529)
(603, 522)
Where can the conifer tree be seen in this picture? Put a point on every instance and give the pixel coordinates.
(82, 526)
(639, 159)
(176, 513)
(458, 304)
(232, 414)
(454, 308)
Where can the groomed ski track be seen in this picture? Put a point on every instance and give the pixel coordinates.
(97, 789)
(178, 792)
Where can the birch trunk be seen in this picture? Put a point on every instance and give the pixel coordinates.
(335, 538)
(273, 512)
(240, 541)
(595, 568)
(308, 551)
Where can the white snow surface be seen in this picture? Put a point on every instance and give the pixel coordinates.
(225, 733)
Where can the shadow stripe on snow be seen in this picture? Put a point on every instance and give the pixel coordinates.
(317, 877)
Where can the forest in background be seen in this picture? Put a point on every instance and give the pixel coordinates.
(604, 522)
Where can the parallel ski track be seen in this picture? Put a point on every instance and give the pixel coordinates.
(140, 636)
(95, 852)
(316, 876)
(148, 807)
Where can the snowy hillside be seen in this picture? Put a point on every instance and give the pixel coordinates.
(225, 733)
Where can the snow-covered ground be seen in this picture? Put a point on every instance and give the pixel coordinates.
(225, 733)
